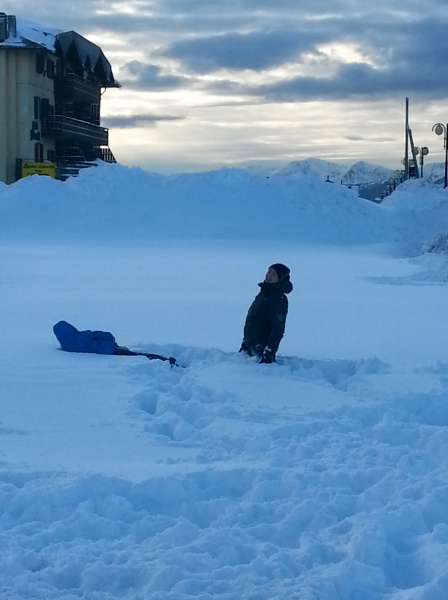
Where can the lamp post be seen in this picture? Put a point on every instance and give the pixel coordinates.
(438, 129)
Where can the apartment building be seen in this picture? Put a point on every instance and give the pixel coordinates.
(50, 101)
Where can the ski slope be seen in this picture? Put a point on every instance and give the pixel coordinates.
(321, 477)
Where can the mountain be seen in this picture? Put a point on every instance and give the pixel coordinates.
(434, 171)
(316, 167)
(267, 171)
(360, 172)
(364, 172)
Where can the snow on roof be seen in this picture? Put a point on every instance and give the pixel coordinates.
(30, 33)
(89, 55)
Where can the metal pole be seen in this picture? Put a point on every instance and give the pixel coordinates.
(446, 155)
(406, 146)
(414, 154)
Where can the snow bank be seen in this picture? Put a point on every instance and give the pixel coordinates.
(114, 201)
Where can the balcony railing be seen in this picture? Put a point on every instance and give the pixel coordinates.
(73, 87)
(65, 128)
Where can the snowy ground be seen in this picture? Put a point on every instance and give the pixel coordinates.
(323, 477)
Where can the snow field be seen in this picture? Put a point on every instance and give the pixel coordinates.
(322, 477)
(254, 501)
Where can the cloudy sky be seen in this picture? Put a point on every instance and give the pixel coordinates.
(211, 83)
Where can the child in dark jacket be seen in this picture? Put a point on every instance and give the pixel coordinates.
(266, 318)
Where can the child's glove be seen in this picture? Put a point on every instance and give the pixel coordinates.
(267, 357)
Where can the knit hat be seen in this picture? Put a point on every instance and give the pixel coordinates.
(281, 270)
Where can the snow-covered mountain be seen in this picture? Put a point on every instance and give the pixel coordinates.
(434, 171)
(360, 172)
(316, 167)
(364, 172)
(267, 171)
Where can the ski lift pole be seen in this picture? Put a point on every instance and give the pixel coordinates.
(446, 155)
(438, 129)
(406, 143)
(414, 154)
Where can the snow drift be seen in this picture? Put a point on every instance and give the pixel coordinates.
(133, 205)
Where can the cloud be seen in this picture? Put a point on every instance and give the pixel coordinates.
(370, 139)
(257, 51)
(387, 54)
(136, 74)
(245, 59)
(134, 121)
(399, 49)
(350, 81)
(291, 8)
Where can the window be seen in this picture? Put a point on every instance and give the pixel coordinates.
(50, 155)
(50, 68)
(38, 152)
(40, 63)
(34, 131)
(36, 107)
(96, 113)
(44, 108)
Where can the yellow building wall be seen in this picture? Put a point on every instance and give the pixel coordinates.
(19, 84)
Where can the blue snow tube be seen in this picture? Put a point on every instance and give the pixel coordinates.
(72, 340)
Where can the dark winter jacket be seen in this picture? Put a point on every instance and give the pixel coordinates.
(72, 340)
(266, 318)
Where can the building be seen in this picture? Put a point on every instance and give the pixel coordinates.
(50, 99)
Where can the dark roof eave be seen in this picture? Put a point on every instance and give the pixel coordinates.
(115, 84)
(87, 52)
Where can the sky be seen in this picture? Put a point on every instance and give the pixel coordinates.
(207, 84)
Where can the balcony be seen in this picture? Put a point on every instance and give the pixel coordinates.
(60, 127)
(76, 88)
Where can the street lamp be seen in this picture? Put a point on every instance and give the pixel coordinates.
(438, 129)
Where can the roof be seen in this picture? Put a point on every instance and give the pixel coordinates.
(68, 45)
(32, 35)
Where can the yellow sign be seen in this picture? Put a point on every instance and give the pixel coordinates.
(35, 168)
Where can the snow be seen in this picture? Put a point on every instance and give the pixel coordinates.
(315, 167)
(360, 172)
(434, 172)
(364, 172)
(323, 476)
(36, 33)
